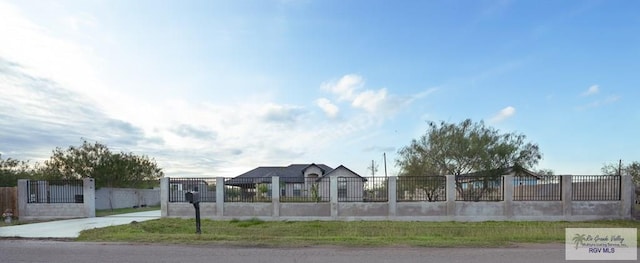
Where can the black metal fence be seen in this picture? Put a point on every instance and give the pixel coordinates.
(479, 188)
(302, 190)
(363, 189)
(596, 187)
(421, 188)
(528, 188)
(178, 187)
(247, 189)
(55, 191)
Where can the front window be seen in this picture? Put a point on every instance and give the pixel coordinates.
(342, 188)
(297, 190)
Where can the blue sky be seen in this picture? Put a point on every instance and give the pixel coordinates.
(215, 88)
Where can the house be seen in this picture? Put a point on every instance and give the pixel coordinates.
(178, 187)
(300, 182)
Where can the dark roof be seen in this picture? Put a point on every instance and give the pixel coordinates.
(328, 174)
(288, 174)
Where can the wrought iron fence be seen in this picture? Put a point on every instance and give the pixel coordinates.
(596, 187)
(421, 188)
(297, 189)
(55, 191)
(363, 189)
(528, 188)
(178, 187)
(247, 189)
(479, 188)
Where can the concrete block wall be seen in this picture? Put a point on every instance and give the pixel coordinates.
(449, 210)
(113, 198)
(44, 211)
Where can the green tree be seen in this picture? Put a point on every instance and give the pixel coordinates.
(12, 169)
(632, 169)
(98, 162)
(467, 148)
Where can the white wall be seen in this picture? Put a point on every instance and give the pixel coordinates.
(112, 198)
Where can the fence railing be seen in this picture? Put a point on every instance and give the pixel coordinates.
(365, 189)
(479, 188)
(527, 188)
(596, 187)
(178, 187)
(55, 191)
(421, 188)
(295, 189)
(247, 189)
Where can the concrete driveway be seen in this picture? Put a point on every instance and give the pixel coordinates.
(71, 228)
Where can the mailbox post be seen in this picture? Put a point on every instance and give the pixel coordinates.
(194, 198)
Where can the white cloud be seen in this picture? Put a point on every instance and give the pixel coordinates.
(345, 87)
(370, 100)
(378, 102)
(281, 113)
(598, 103)
(503, 114)
(594, 89)
(330, 109)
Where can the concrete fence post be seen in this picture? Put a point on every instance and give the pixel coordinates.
(89, 197)
(220, 196)
(275, 196)
(333, 192)
(164, 196)
(508, 195)
(627, 196)
(23, 198)
(567, 196)
(451, 196)
(392, 196)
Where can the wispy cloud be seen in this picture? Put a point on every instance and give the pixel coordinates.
(503, 114)
(281, 113)
(329, 109)
(38, 114)
(599, 103)
(594, 89)
(379, 102)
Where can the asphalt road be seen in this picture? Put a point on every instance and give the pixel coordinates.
(22, 250)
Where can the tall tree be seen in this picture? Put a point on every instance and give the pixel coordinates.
(466, 147)
(97, 161)
(11, 170)
(632, 169)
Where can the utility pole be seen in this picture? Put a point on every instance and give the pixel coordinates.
(620, 168)
(384, 155)
(373, 168)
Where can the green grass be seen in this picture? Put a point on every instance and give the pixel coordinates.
(358, 233)
(117, 211)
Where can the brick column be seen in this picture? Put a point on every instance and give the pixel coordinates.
(451, 196)
(23, 198)
(275, 196)
(333, 192)
(567, 200)
(508, 196)
(164, 196)
(392, 195)
(220, 196)
(89, 196)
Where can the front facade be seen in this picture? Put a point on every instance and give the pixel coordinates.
(301, 182)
